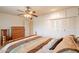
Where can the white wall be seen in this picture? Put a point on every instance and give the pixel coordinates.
(26, 24)
(7, 21)
(77, 25)
(54, 25)
(58, 24)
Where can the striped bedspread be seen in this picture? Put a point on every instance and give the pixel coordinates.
(27, 45)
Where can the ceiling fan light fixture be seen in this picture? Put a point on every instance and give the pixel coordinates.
(27, 15)
(30, 12)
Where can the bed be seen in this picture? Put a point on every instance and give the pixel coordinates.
(67, 45)
(26, 45)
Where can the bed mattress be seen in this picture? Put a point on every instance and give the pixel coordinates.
(31, 46)
(8, 47)
(27, 45)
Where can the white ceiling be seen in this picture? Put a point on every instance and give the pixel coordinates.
(39, 9)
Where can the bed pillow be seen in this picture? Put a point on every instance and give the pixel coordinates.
(67, 43)
(55, 43)
(74, 38)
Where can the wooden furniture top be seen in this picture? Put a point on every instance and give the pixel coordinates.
(17, 32)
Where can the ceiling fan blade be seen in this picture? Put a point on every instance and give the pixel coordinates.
(20, 10)
(35, 15)
(27, 11)
(20, 14)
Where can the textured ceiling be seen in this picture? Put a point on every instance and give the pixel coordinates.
(39, 9)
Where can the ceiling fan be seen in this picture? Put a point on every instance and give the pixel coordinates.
(28, 12)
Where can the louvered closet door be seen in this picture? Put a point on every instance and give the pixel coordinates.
(17, 32)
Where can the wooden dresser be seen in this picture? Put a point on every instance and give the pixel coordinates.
(17, 32)
(4, 35)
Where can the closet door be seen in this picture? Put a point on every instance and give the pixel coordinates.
(71, 12)
(18, 32)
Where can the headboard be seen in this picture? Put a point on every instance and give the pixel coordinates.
(17, 32)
